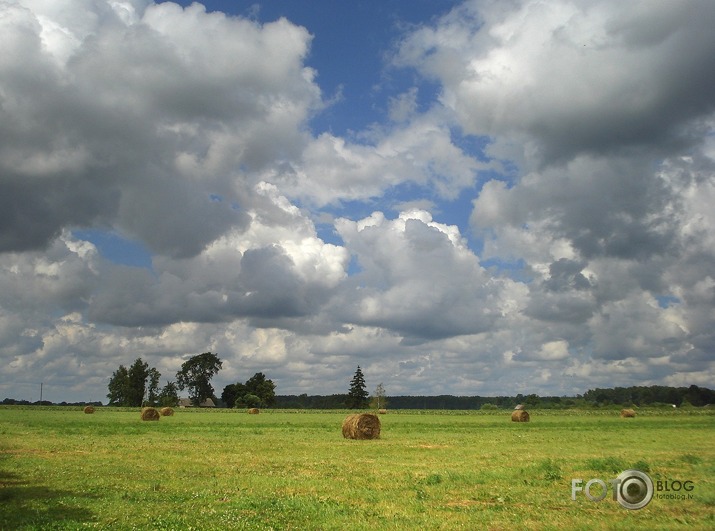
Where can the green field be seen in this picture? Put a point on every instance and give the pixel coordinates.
(224, 469)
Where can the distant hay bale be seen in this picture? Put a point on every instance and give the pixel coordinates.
(254, 411)
(382, 411)
(150, 413)
(361, 426)
(520, 415)
(519, 406)
(89, 410)
(628, 413)
(166, 412)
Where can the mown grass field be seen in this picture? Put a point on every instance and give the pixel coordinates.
(224, 469)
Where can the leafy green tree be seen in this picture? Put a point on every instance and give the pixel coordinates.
(263, 388)
(153, 387)
(196, 374)
(169, 395)
(692, 396)
(237, 395)
(358, 395)
(233, 392)
(249, 400)
(119, 387)
(378, 399)
(138, 375)
(532, 400)
(127, 387)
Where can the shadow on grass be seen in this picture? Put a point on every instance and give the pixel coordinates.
(24, 505)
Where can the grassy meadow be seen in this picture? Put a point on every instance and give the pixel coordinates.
(225, 469)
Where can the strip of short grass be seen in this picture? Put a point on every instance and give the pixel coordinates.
(224, 469)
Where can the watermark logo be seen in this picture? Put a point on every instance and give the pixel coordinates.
(633, 489)
(674, 489)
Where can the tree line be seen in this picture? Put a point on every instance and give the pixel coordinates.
(654, 394)
(138, 385)
(620, 396)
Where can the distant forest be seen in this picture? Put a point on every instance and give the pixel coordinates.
(622, 396)
(655, 395)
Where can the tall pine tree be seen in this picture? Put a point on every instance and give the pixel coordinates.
(358, 395)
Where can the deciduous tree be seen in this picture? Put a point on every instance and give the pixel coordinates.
(250, 400)
(152, 393)
(233, 392)
(119, 387)
(244, 395)
(138, 376)
(379, 401)
(169, 395)
(128, 387)
(196, 374)
(263, 388)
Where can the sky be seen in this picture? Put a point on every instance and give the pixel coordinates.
(470, 198)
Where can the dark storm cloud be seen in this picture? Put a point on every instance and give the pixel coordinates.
(566, 274)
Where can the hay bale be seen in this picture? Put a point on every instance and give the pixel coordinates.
(89, 410)
(166, 412)
(520, 415)
(627, 413)
(361, 426)
(150, 413)
(254, 411)
(382, 411)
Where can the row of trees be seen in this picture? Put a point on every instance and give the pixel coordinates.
(595, 398)
(139, 384)
(356, 398)
(654, 394)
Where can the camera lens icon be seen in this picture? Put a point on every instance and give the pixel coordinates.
(635, 489)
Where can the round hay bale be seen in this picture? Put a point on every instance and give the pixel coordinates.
(89, 410)
(150, 413)
(166, 412)
(382, 411)
(361, 426)
(627, 413)
(520, 415)
(254, 411)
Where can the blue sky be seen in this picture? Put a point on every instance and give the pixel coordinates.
(349, 51)
(461, 197)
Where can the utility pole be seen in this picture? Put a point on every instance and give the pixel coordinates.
(40, 391)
